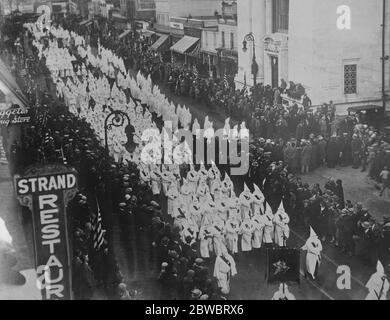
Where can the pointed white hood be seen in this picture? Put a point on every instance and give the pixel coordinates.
(312, 233)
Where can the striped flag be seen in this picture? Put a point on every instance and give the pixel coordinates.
(64, 160)
(195, 71)
(226, 81)
(48, 140)
(98, 232)
(41, 118)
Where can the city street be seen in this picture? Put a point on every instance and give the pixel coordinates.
(136, 255)
(113, 221)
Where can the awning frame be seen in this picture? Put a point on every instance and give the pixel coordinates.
(160, 42)
(184, 44)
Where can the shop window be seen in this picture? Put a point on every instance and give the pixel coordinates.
(232, 41)
(280, 11)
(350, 78)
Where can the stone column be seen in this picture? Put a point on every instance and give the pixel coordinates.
(259, 31)
(268, 16)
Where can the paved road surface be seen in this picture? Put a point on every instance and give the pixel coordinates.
(136, 254)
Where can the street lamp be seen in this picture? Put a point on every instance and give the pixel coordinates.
(117, 119)
(250, 38)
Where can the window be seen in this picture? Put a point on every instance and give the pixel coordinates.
(223, 38)
(232, 41)
(350, 78)
(280, 10)
(215, 39)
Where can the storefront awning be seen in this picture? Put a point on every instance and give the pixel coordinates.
(124, 34)
(159, 44)
(184, 44)
(84, 22)
(195, 52)
(146, 33)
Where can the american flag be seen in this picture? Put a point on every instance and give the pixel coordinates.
(64, 160)
(98, 232)
(41, 118)
(195, 71)
(48, 140)
(226, 81)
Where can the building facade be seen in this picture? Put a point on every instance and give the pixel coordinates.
(138, 9)
(227, 51)
(333, 48)
(165, 9)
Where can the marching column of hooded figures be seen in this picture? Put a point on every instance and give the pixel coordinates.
(204, 206)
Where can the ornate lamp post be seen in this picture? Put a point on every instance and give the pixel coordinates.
(250, 38)
(116, 118)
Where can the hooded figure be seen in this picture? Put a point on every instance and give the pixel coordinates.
(144, 174)
(378, 285)
(202, 191)
(227, 186)
(232, 229)
(283, 293)
(313, 246)
(246, 201)
(186, 193)
(224, 269)
(282, 230)
(192, 178)
(173, 201)
(269, 225)
(215, 188)
(219, 231)
(203, 173)
(246, 231)
(196, 210)
(213, 173)
(258, 230)
(206, 240)
(196, 129)
(257, 201)
(226, 128)
(166, 178)
(208, 129)
(155, 176)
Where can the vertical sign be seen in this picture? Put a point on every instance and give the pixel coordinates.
(47, 191)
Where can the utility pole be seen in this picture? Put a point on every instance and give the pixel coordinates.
(384, 57)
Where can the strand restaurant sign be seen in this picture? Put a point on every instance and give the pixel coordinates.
(46, 190)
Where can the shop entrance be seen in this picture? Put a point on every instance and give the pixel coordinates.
(274, 71)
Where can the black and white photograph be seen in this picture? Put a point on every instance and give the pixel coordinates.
(208, 151)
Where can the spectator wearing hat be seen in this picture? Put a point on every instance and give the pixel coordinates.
(333, 151)
(306, 154)
(385, 180)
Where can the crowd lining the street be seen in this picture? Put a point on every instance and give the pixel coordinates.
(274, 158)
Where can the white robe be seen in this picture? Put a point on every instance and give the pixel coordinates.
(377, 288)
(313, 247)
(206, 240)
(232, 229)
(173, 201)
(155, 176)
(224, 269)
(246, 232)
(258, 228)
(218, 236)
(268, 229)
(282, 230)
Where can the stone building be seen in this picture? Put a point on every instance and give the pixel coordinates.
(333, 48)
